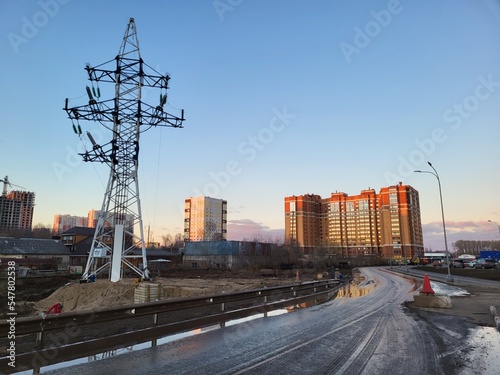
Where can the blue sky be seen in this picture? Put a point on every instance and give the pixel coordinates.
(281, 98)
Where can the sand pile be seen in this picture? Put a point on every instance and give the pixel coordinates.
(101, 293)
(104, 293)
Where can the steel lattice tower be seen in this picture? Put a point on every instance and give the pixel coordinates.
(126, 116)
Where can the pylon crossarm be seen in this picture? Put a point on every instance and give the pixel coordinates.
(101, 75)
(156, 116)
(128, 76)
(97, 154)
(101, 111)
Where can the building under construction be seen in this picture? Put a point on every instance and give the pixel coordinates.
(16, 209)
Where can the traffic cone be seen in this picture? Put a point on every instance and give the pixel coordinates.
(426, 288)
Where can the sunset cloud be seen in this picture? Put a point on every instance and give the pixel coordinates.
(246, 229)
(458, 230)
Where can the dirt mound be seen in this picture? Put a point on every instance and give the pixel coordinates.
(104, 293)
(101, 293)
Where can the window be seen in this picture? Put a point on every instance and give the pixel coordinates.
(393, 198)
(363, 205)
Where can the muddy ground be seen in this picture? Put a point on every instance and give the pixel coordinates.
(34, 295)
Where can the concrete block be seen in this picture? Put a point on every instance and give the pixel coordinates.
(434, 301)
(494, 313)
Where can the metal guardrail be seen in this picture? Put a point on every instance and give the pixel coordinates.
(68, 325)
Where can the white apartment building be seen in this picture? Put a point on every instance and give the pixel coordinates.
(64, 222)
(93, 217)
(205, 219)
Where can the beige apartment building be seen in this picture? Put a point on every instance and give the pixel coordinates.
(386, 224)
(205, 219)
(62, 223)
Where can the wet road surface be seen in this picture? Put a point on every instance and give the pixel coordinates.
(365, 330)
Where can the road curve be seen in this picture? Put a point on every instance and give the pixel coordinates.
(365, 330)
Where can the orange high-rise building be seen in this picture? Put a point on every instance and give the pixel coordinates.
(303, 221)
(386, 224)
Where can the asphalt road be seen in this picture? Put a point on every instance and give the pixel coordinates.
(460, 281)
(366, 331)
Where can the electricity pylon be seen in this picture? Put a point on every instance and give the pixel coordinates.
(126, 116)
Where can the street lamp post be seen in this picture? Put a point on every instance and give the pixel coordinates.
(498, 225)
(449, 277)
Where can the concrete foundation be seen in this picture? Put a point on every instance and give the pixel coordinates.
(496, 317)
(435, 301)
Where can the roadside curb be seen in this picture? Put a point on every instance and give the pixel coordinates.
(494, 313)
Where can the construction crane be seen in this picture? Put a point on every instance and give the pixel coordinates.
(126, 116)
(6, 183)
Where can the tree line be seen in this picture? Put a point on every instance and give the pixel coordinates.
(37, 231)
(474, 247)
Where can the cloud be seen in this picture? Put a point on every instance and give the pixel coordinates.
(246, 229)
(457, 230)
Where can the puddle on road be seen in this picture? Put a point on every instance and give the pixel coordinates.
(145, 345)
(354, 291)
(115, 352)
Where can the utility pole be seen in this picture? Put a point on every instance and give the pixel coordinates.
(126, 116)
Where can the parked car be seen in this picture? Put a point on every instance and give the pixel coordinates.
(458, 263)
(472, 264)
(488, 263)
(437, 263)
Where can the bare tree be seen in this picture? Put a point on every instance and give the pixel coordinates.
(166, 240)
(474, 247)
(38, 231)
(178, 241)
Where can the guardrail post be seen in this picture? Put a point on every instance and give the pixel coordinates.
(39, 338)
(155, 323)
(222, 308)
(265, 303)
